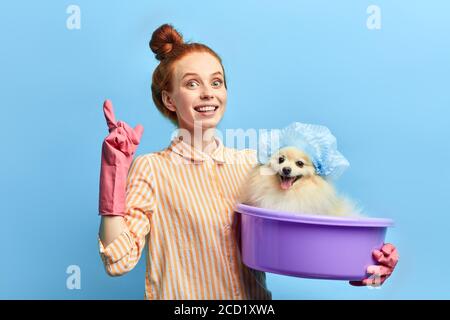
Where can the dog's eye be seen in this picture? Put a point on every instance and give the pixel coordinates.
(280, 159)
(300, 164)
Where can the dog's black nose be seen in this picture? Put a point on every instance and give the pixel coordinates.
(287, 170)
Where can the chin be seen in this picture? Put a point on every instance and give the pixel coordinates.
(293, 186)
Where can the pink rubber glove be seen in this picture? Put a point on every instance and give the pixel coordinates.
(387, 258)
(117, 155)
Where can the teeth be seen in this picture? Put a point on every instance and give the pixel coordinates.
(205, 108)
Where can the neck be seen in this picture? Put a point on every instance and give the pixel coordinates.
(199, 138)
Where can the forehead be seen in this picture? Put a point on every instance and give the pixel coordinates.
(202, 63)
(293, 153)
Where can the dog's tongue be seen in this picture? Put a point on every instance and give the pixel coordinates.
(286, 183)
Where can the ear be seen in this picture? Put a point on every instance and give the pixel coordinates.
(167, 100)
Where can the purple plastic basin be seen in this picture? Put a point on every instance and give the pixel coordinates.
(309, 246)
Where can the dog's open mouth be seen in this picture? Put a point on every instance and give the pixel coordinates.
(287, 182)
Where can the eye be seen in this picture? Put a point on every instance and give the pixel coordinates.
(300, 164)
(280, 159)
(192, 84)
(217, 83)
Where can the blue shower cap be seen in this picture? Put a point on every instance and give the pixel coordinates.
(316, 140)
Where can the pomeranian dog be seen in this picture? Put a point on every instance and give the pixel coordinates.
(289, 182)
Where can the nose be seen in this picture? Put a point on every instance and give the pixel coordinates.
(286, 170)
(206, 94)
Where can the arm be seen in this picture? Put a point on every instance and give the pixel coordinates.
(110, 228)
(124, 196)
(122, 238)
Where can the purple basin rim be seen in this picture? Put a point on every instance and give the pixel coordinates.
(312, 218)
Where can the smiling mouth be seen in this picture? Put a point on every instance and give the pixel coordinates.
(287, 182)
(206, 109)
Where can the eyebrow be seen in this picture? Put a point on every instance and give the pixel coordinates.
(195, 74)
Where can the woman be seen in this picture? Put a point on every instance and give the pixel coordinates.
(181, 200)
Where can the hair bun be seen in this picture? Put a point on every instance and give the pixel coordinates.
(164, 39)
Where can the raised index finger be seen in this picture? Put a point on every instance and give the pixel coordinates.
(109, 115)
(139, 130)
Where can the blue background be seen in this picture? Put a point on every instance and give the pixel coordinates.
(383, 93)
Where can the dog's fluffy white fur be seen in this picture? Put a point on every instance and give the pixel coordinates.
(288, 182)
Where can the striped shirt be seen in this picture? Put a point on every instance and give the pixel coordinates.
(180, 201)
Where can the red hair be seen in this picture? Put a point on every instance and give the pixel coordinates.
(169, 47)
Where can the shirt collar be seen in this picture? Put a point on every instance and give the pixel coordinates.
(188, 152)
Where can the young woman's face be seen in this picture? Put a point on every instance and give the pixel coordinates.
(199, 95)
